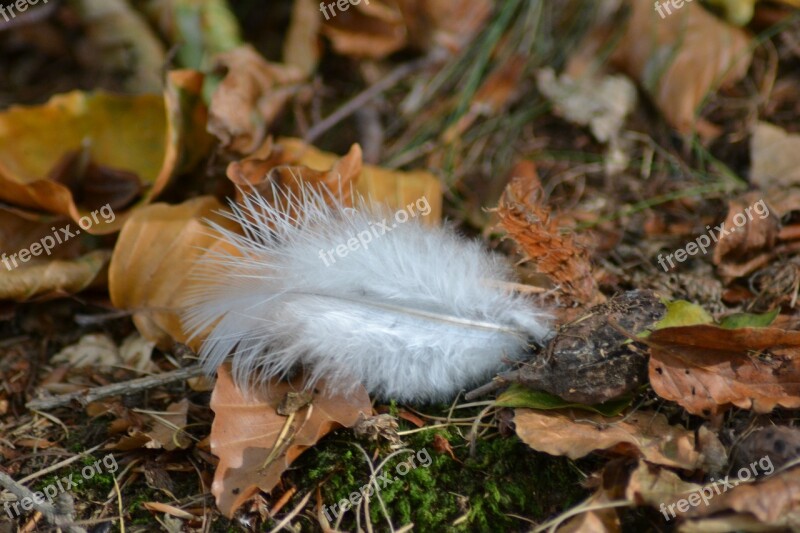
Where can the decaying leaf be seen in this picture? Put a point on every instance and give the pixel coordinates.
(602, 104)
(707, 369)
(256, 445)
(248, 99)
(562, 256)
(773, 500)
(775, 156)
(119, 40)
(53, 279)
(753, 229)
(679, 59)
(155, 251)
(577, 434)
(116, 133)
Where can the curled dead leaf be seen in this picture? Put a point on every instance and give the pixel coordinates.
(54, 279)
(679, 59)
(255, 444)
(707, 369)
(577, 434)
(146, 136)
(248, 99)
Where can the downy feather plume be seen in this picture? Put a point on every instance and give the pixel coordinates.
(415, 314)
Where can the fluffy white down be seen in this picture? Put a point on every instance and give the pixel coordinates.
(413, 315)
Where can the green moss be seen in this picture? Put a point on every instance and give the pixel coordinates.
(505, 477)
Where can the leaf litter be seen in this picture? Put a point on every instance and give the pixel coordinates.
(581, 141)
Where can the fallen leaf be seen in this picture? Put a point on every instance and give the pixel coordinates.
(395, 188)
(681, 58)
(773, 500)
(248, 98)
(706, 369)
(641, 434)
(246, 430)
(775, 156)
(372, 30)
(111, 26)
(302, 46)
(781, 444)
(519, 396)
(652, 485)
(749, 236)
(156, 249)
(167, 428)
(749, 320)
(683, 313)
(133, 134)
(600, 103)
(92, 350)
(53, 279)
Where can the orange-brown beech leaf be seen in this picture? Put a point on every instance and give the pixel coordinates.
(707, 369)
(563, 257)
(248, 99)
(652, 485)
(53, 279)
(166, 430)
(773, 501)
(681, 58)
(576, 434)
(155, 251)
(372, 30)
(247, 430)
(752, 227)
(273, 167)
(118, 137)
(395, 188)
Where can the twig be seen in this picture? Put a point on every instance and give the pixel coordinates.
(59, 517)
(85, 397)
(361, 99)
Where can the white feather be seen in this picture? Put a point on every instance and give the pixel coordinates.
(410, 315)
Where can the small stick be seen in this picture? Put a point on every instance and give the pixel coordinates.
(51, 513)
(362, 98)
(85, 397)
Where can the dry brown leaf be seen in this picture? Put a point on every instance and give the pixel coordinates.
(395, 188)
(577, 434)
(245, 431)
(563, 257)
(372, 30)
(652, 485)
(249, 98)
(773, 500)
(155, 251)
(167, 428)
(706, 369)
(148, 136)
(681, 58)
(273, 168)
(775, 156)
(755, 234)
(54, 279)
